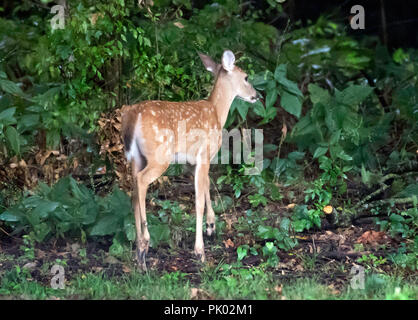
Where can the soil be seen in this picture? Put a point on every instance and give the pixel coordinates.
(328, 249)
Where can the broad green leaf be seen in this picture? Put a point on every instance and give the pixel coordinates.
(317, 94)
(291, 103)
(6, 116)
(259, 109)
(344, 156)
(28, 121)
(44, 207)
(242, 252)
(271, 98)
(106, 226)
(280, 72)
(410, 190)
(241, 106)
(130, 232)
(320, 151)
(11, 215)
(14, 139)
(159, 233)
(10, 87)
(259, 81)
(296, 155)
(353, 95)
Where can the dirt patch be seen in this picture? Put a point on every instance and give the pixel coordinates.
(318, 254)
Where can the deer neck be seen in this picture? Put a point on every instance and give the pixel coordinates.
(222, 97)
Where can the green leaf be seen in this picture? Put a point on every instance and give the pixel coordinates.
(29, 121)
(317, 94)
(106, 226)
(13, 138)
(241, 106)
(271, 98)
(242, 252)
(6, 116)
(296, 155)
(353, 95)
(280, 72)
(129, 228)
(320, 151)
(285, 224)
(44, 207)
(410, 190)
(342, 155)
(11, 215)
(159, 233)
(291, 103)
(259, 109)
(259, 81)
(10, 87)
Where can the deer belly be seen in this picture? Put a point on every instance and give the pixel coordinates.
(183, 158)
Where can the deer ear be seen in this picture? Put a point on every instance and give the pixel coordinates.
(209, 64)
(228, 60)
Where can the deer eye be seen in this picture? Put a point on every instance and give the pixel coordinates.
(246, 78)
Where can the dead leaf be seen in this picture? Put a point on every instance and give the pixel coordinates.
(199, 294)
(30, 265)
(228, 243)
(111, 260)
(179, 25)
(278, 289)
(75, 247)
(333, 290)
(284, 130)
(97, 269)
(126, 269)
(40, 254)
(290, 205)
(373, 237)
(22, 163)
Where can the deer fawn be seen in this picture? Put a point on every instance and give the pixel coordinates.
(153, 139)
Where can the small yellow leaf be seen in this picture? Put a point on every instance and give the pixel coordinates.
(328, 209)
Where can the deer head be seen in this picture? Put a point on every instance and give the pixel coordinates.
(230, 77)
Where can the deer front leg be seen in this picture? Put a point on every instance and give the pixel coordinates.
(210, 214)
(201, 177)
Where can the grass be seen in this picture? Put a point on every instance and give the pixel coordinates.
(221, 282)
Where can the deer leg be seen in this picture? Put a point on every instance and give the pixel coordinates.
(210, 214)
(145, 177)
(137, 212)
(201, 183)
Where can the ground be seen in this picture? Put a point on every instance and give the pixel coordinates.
(320, 267)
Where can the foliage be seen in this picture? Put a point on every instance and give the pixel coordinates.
(70, 208)
(339, 113)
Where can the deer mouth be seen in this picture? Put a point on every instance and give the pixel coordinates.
(252, 99)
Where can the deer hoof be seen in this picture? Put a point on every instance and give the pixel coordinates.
(210, 230)
(200, 255)
(141, 258)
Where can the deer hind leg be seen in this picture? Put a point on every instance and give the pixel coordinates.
(151, 172)
(201, 185)
(137, 213)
